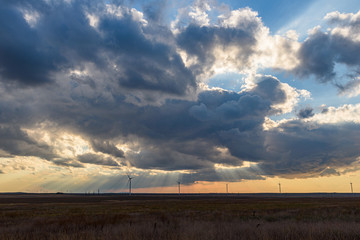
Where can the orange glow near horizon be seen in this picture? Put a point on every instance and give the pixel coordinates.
(27, 181)
(340, 184)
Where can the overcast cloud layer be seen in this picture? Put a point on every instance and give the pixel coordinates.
(87, 84)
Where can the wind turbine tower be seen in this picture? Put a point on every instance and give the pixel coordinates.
(179, 186)
(227, 188)
(351, 188)
(129, 184)
(279, 187)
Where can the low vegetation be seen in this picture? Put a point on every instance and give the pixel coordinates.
(170, 217)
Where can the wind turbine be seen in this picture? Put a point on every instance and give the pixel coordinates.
(279, 187)
(178, 182)
(227, 188)
(351, 187)
(129, 183)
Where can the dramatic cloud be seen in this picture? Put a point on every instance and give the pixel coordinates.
(343, 114)
(305, 113)
(351, 88)
(231, 44)
(68, 163)
(25, 56)
(97, 159)
(107, 147)
(236, 40)
(68, 35)
(16, 142)
(298, 148)
(108, 88)
(340, 44)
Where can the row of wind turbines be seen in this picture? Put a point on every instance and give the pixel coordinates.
(351, 187)
(227, 186)
(130, 178)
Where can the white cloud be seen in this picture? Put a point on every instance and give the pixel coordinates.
(30, 16)
(347, 24)
(121, 11)
(237, 41)
(93, 20)
(198, 13)
(343, 114)
(293, 97)
(129, 80)
(244, 18)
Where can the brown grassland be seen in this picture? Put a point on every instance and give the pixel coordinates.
(173, 217)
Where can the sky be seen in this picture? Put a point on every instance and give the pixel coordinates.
(208, 93)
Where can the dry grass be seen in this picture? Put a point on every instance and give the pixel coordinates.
(164, 217)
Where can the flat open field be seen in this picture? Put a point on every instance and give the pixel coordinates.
(208, 217)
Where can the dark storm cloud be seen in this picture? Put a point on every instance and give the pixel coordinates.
(247, 145)
(330, 172)
(324, 110)
(322, 50)
(61, 36)
(183, 135)
(97, 159)
(68, 163)
(317, 57)
(159, 157)
(179, 134)
(186, 135)
(107, 147)
(63, 39)
(302, 148)
(214, 111)
(269, 88)
(65, 27)
(294, 148)
(154, 9)
(24, 55)
(234, 121)
(16, 142)
(347, 50)
(245, 106)
(305, 113)
(148, 65)
(201, 41)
